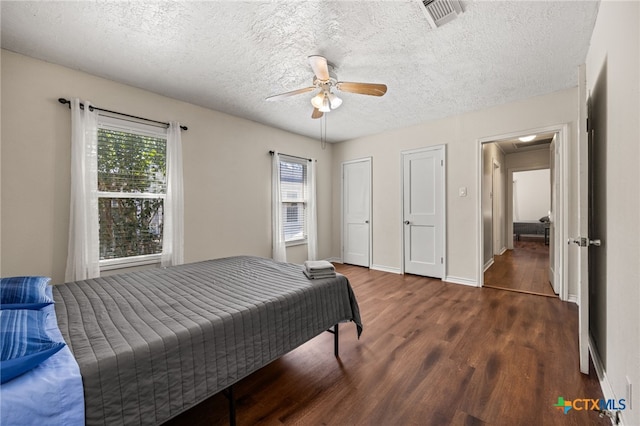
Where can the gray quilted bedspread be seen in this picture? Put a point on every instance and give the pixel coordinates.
(153, 343)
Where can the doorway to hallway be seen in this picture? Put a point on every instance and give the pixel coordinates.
(545, 151)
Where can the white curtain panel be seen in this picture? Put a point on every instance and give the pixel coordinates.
(173, 233)
(278, 248)
(312, 214)
(83, 249)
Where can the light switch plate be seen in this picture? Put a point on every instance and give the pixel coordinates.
(462, 191)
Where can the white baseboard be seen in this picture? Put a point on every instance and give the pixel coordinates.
(459, 280)
(573, 298)
(488, 265)
(393, 270)
(502, 250)
(374, 267)
(605, 385)
(385, 269)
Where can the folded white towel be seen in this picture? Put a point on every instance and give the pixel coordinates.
(318, 265)
(322, 274)
(319, 276)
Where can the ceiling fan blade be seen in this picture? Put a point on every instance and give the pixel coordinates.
(370, 89)
(291, 93)
(319, 67)
(316, 113)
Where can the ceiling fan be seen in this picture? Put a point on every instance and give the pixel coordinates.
(324, 80)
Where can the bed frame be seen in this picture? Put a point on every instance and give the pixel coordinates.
(154, 343)
(228, 392)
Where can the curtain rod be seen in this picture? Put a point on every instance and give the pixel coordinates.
(294, 156)
(92, 107)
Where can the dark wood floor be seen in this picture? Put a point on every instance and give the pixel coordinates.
(432, 353)
(525, 268)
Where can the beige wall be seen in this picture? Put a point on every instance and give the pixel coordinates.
(614, 54)
(227, 169)
(461, 134)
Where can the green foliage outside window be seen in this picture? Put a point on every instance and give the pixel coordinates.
(130, 164)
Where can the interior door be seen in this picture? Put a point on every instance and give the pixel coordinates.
(423, 212)
(551, 231)
(356, 212)
(596, 235)
(583, 219)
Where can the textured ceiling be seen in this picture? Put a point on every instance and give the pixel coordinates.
(230, 55)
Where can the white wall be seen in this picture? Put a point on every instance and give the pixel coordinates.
(615, 54)
(461, 134)
(529, 160)
(531, 195)
(226, 162)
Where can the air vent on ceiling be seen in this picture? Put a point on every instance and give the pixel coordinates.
(520, 145)
(439, 12)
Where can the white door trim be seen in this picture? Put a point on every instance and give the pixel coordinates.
(358, 160)
(562, 218)
(443, 200)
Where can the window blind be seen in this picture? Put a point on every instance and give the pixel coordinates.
(131, 191)
(129, 162)
(293, 185)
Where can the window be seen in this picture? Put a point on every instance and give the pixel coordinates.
(294, 190)
(131, 191)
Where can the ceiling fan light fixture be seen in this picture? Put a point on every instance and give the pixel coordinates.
(325, 81)
(335, 101)
(527, 138)
(325, 105)
(318, 100)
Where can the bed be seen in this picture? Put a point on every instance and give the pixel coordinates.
(154, 343)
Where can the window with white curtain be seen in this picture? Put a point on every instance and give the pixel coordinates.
(294, 189)
(132, 185)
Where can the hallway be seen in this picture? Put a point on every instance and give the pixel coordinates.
(524, 269)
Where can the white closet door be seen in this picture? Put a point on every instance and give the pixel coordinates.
(356, 212)
(423, 212)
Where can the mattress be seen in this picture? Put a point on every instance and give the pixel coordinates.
(153, 343)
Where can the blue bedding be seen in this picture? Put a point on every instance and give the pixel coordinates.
(51, 393)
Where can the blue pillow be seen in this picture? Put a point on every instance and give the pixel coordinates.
(24, 293)
(24, 342)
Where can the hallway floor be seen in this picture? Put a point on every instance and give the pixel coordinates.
(524, 269)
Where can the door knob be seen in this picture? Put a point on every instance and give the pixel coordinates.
(584, 242)
(406, 222)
